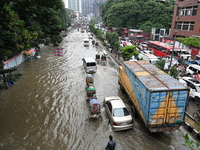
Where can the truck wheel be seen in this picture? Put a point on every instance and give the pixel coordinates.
(197, 100)
(122, 89)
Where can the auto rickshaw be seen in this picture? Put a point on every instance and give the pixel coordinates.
(89, 80)
(90, 91)
(97, 57)
(93, 41)
(95, 109)
(103, 59)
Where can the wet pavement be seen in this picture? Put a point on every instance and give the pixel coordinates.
(47, 108)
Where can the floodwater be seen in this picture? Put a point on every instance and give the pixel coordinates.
(47, 110)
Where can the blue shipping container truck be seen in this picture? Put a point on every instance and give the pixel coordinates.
(159, 99)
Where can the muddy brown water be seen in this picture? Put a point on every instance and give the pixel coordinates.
(47, 110)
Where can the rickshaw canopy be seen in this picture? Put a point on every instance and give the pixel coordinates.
(91, 88)
(89, 75)
(94, 102)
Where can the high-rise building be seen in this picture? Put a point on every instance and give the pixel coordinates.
(74, 5)
(91, 7)
(87, 7)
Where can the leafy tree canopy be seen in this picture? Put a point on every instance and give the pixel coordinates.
(25, 24)
(129, 51)
(113, 38)
(190, 41)
(137, 14)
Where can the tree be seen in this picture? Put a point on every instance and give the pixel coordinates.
(26, 23)
(46, 18)
(129, 51)
(113, 39)
(93, 21)
(190, 41)
(140, 14)
(14, 37)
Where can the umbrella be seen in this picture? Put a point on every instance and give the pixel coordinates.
(31, 52)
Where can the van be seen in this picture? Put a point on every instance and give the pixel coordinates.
(151, 58)
(192, 68)
(89, 65)
(86, 42)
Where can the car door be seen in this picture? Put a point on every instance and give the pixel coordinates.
(109, 111)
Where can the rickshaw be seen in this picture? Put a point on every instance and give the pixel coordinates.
(90, 91)
(95, 109)
(89, 80)
(103, 59)
(97, 57)
(93, 41)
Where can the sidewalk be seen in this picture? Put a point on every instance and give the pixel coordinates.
(190, 124)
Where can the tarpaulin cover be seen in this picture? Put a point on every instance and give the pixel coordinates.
(93, 101)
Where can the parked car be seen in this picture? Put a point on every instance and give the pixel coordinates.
(118, 114)
(185, 54)
(194, 86)
(90, 36)
(126, 43)
(191, 69)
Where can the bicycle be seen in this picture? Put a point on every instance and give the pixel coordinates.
(196, 115)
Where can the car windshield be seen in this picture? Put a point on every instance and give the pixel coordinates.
(120, 112)
(198, 88)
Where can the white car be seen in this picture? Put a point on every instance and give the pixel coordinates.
(118, 114)
(194, 86)
(192, 69)
(185, 54)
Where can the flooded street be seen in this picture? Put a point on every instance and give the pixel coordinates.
(47, 110)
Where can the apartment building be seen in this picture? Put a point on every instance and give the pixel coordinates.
(186, 18)
(74, 5)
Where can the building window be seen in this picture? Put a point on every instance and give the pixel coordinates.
(187, 26)
(188, 11)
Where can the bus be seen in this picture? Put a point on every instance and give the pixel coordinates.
(136, 35)
(123, 32)
(161, 49)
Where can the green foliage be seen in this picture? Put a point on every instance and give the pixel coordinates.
(174, 72)
(129, 51)
(96, 31)
(25, 24)
(93, 21)
(138, 14)
(7, 75)
(160, 64)
(190, 41)
(113, 39)
(190, 144)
